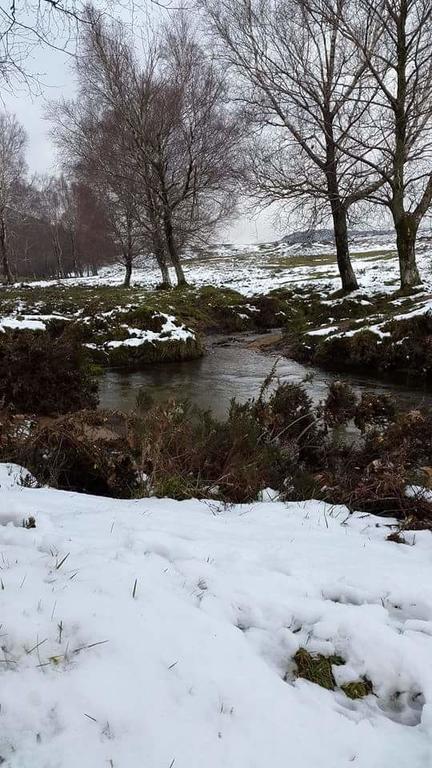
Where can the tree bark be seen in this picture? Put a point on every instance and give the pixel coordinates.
(7, 272)
(128, 273)
(76, 263)
(348, 278)
(406, 235)
(58, 254)
(163, 266)
(339, 213)
(405, 223)
(172, 250)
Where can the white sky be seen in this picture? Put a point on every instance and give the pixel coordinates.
(56, 79)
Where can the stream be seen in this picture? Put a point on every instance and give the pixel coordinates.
(233, 368)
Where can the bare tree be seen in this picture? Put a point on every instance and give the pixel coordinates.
(26, 25)
(12, 168)
(52, 209)
(96, 147)
(68, 193)
(196, 151)
(304, 87)
(182, 137)
(394, 39)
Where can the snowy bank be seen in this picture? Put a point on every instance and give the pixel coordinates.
(154, 633)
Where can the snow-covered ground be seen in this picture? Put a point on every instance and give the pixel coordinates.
(157, 634)
(260, 268)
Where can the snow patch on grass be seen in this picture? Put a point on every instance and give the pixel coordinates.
(170, 331)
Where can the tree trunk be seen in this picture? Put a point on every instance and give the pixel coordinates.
(160, 256)
(128, 273)
(405, 223)
(339, 213)
(76, 263)
(172, 250)
(406, 235)
(7, 272)
(349, 280)
(163, 266)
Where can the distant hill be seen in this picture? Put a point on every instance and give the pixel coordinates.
(309, 237)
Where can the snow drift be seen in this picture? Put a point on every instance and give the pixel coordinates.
(160, 634)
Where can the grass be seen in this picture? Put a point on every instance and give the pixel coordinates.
(320, 259)
(318, 669)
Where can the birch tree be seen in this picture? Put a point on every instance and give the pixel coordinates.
(394, 38)
(13, 141)
(304, 87)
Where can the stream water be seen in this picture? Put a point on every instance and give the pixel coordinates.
(231, 368)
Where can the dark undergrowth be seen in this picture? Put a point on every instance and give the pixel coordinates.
(279, 440)
(404, 349)
(44, 375)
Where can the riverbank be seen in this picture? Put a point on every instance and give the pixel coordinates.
(393, 340)
(364, 452)
(130, 329)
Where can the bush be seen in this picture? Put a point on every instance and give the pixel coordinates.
(44, 375)
(374, 410)
(186, 452)
(86, 451)
(340, 404)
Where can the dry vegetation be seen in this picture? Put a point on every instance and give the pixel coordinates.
(278, 440)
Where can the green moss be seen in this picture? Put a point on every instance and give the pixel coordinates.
(137, 357)
(174, 487)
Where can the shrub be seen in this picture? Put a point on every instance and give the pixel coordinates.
(185, 451)
(87, 451)
(340, 404)
(44, 375)
(374, 410)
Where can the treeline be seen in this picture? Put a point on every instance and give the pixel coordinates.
(53, 229)
(318, 106)
(149, 151)
(50, 226)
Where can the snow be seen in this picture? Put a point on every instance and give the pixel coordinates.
(376, 329)
(252, 269)
(170, 331)
(28, 322)
(13, 476)
(322, 331)
(158, 633)
(24, 324)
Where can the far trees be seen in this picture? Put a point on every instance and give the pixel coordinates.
(52, 209)
(12, 168)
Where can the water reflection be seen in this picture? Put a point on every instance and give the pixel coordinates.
(233, 370)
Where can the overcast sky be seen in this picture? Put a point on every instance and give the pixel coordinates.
(56, 79)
